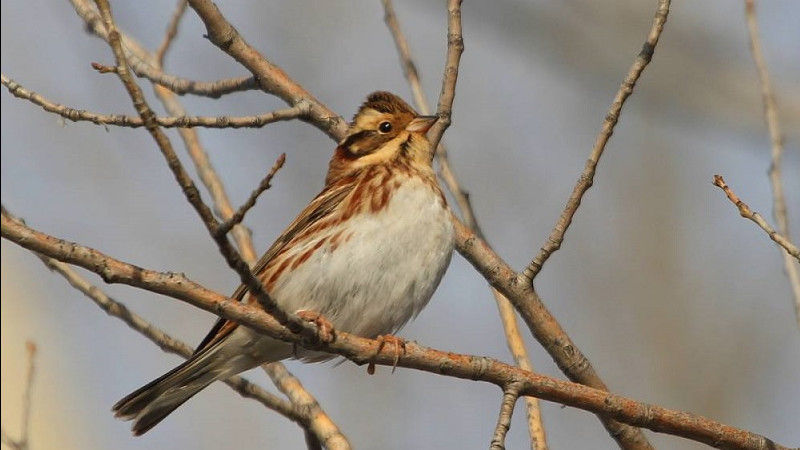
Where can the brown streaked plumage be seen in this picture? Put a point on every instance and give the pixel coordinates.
(366, 253)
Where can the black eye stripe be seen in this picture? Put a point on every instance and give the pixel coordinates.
(356, 137)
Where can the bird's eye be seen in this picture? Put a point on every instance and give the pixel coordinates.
(385, 127)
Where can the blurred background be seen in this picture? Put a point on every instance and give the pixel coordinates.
(674, 298)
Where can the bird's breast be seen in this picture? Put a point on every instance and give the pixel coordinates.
(373, 271)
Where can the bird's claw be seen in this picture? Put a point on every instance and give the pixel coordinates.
(325, 329)
(399, 343)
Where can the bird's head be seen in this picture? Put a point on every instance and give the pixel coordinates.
(384, 129)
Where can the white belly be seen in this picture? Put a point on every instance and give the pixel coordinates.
(384, 274)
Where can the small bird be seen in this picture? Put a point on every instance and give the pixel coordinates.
(364, 256)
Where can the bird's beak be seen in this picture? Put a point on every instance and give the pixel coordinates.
(421, 124)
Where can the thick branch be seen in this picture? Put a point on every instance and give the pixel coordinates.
(362, 350)
(747, 213)
(586, 178)
(121, 120)
(776, 140)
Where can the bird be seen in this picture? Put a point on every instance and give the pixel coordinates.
(364, 257)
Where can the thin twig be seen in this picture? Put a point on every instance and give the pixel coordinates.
(507, 314)
(121, 120)
(747, 213)
(23, 443)
(362, 350)
(586, 178)
(232, 257)
(144, 67)
(517, 348)
(237, 218)
(455, 47)
(776, 140)
(172, 31)
(510, 396)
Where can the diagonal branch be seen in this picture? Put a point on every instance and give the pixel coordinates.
(776, 140)
(168, 343)
(238, 216)
(172, 31)
(182, 121)
(189, 189)
(361, 350)
(747, 213)
(586, 178)
(271, 78)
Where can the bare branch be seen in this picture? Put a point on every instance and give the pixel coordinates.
(361, 350)
(121, 120)
(747, 213)
(586, 178)
(166, 342)
(776, 139)
(517, 348)
(237, 218)
(271, 78)
(320, 426)
(542, 324)
(189, 189)
(510, 396)
(455, 47)
(172, 31)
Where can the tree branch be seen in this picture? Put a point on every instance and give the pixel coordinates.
(271, 78)
(361, 350)
(510, 396)
(455, 47)
(237, 217)
(586, 178)
(776, 140)
(166, 342)
(189, 189)
(121, 120)
(747, 213)
(172, 31)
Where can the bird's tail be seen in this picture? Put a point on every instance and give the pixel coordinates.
(150, 404)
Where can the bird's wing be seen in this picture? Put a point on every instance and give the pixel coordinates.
(321, 207)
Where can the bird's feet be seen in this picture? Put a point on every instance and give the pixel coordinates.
(325, 329)
(398, 343)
